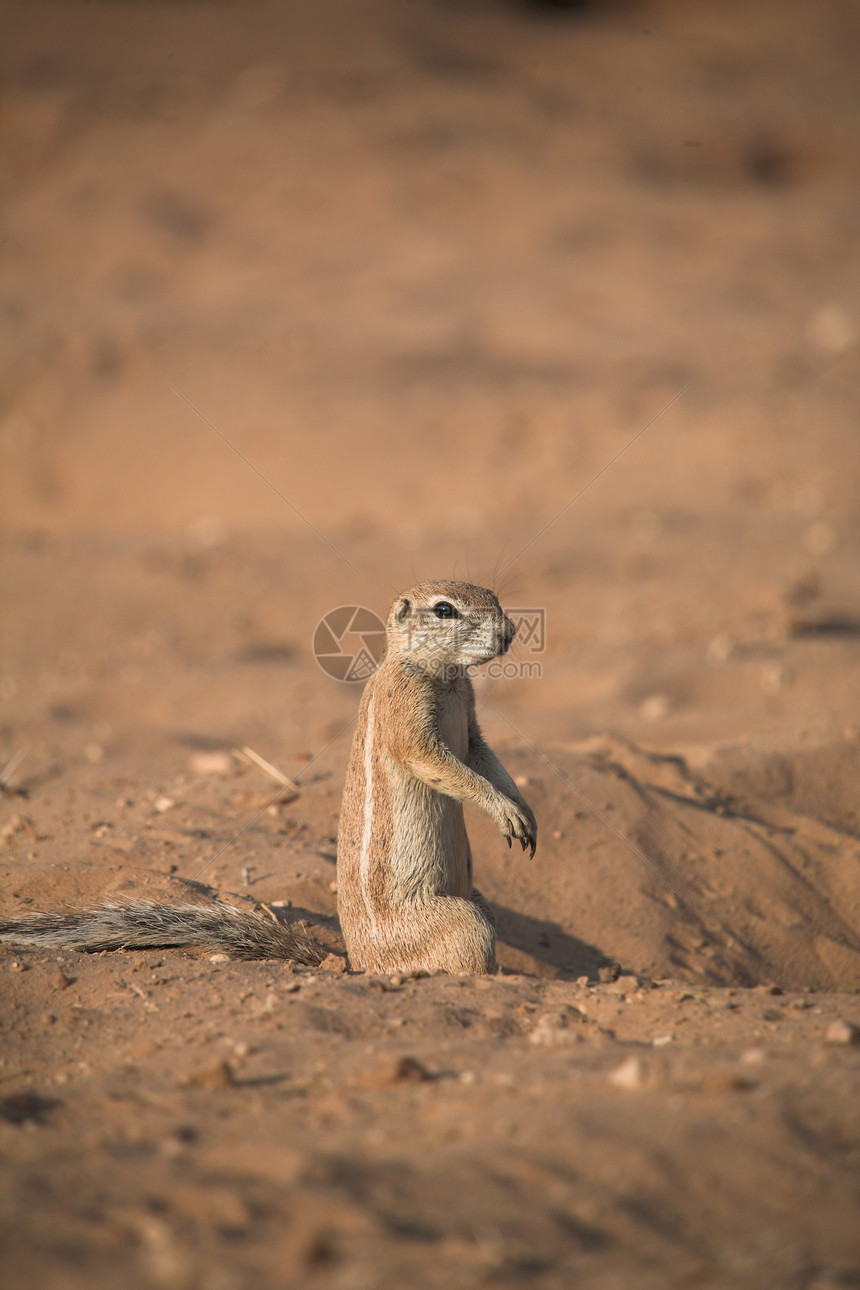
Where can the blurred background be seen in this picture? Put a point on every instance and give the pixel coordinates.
(430, 267)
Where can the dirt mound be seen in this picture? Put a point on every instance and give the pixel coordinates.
(718, 876)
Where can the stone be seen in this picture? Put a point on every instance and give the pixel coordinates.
(842, 1032)
(628, 1075)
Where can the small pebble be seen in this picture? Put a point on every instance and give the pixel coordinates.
(842, 1032)
(142, 1049)
(553, 1029)
(625, 985)
(212, 763)
(655, 708)
(628, 1075)
(17, 824)
(61, 982)
(724, 1081)
(660, 1041)
(163, 803)
(218, 1076)
(402, 1070)
(382, 983)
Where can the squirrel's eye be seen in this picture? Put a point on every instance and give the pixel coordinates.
(444, 610)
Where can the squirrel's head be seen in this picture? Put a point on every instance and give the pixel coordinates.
(447, 626)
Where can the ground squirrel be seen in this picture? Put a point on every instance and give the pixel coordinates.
(405, 896)
(404, 866)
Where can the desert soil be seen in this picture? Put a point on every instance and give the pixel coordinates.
(300, 305)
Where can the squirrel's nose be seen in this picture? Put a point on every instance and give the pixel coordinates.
(508, 631)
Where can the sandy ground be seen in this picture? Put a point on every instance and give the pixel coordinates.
(563, 301)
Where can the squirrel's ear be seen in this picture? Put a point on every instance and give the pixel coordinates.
(401, 609)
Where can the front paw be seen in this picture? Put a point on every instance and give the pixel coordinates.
(516, 820)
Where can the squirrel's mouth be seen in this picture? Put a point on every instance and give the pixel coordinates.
(478, 659)
(488, 655)
(479, 655)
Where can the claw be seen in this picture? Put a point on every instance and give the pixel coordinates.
(508, 840)
(534, 848)
(523, 843)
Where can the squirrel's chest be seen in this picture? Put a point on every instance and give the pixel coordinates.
(453, 723)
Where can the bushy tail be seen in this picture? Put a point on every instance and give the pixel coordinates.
(149, 924)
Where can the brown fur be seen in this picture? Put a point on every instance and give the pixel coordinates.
(405, 896)
(138, 924)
